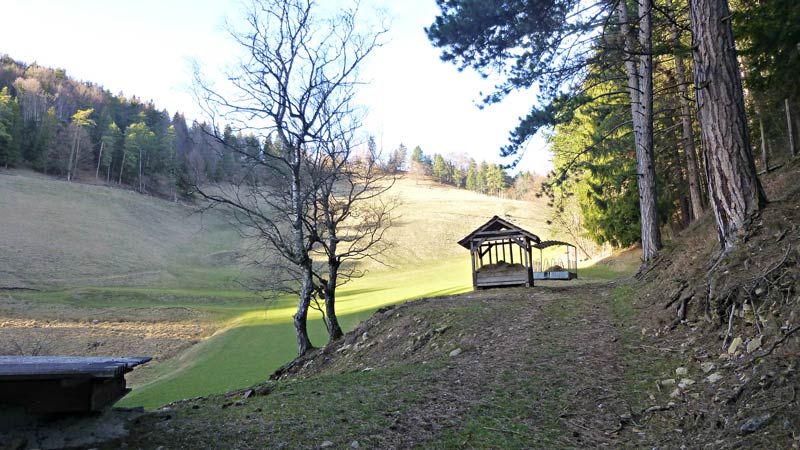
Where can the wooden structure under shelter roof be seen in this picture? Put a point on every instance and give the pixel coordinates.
(502, 255)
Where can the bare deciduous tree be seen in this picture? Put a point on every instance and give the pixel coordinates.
(295, 86)
(350, 216)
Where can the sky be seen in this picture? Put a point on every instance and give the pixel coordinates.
(145, 48)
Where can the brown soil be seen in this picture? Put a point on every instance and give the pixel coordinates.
(33, 328)
(66, 338)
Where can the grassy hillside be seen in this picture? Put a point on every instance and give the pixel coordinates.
(102, 252)
(68, 234)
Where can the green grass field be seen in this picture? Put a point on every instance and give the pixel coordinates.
(98, 247)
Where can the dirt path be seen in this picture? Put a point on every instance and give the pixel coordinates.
(552, 348)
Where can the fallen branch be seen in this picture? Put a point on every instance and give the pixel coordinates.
(730, 325)
(678, 295)
(777, 343)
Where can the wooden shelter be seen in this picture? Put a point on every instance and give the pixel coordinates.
(63, 384)
(501, 254)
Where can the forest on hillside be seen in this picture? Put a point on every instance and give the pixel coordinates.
(73, 129)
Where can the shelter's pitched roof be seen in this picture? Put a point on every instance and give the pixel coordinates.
(497, 227)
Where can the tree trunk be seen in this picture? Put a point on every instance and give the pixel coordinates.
(792, 149)
(640, 86)
(692, 172)
(141, 189)
(764, 158)
(301, 316)
(72, 156)
(334, 330)
(733, 186)
(301, 257)
(99, 159)
(122, 166)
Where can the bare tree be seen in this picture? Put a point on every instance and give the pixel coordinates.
(351, 213)
(295, 85)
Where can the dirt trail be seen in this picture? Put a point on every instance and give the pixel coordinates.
(561, 338)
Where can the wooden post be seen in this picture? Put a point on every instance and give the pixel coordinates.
(503, 245)
(511, 250)
(792, 150)
(472, 258)
(764, 159)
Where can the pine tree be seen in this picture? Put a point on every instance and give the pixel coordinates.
(9, 117)
(472, 176)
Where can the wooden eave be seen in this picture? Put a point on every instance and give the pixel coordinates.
(497, 228)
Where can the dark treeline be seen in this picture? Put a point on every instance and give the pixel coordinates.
(59, 126)
(595, 161)
(619, 101)
(464, 172)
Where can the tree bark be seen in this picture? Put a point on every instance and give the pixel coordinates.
(733, 186)
(640, 86)
(692, 172)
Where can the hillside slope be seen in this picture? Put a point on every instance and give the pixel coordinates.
(56, 233)
(593, 365)
(112, 272)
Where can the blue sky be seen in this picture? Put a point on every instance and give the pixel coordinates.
(144, 48)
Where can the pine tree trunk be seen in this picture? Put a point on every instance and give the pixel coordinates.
(733, 186)
(71, 156)
(122, 166)
(640, 86)
(692, 171)
(99, 159)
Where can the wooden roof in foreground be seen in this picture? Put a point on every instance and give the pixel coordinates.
(61, 367)
(497, 228)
